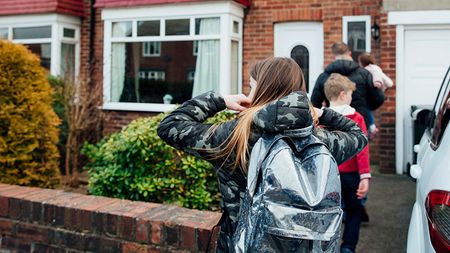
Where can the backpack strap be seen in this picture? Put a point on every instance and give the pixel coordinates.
(259, 154)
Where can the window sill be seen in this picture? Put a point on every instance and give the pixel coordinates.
(138, 107)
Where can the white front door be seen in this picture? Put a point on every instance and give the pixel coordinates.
(302, 41)
(425, 62)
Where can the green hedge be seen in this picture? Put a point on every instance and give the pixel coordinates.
(136, 164)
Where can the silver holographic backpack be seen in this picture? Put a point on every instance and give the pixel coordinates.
(293, 196)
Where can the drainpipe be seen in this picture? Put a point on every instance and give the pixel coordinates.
(91, 37)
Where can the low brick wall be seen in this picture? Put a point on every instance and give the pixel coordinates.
(42, 220)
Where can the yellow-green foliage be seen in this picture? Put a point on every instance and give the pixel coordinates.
(28, 125)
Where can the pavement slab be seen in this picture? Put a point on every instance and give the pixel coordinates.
(391, 198)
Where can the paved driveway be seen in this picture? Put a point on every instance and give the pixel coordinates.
(391, 198)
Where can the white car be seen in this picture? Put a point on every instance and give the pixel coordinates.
(429, 228)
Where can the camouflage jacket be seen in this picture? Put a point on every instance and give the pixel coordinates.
(184, 129)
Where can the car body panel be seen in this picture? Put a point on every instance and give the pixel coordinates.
(434, 164)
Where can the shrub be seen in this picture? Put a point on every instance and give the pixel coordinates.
(136, 164)
(28, 125)
(59, 105)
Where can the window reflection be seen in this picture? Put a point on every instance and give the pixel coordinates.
(356, 38)
(176, 72)
(43, 51)
(300, 54)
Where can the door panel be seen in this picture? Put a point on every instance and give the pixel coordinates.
(427, 54)
(301, 41)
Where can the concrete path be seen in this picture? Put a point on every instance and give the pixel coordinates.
(391, 198)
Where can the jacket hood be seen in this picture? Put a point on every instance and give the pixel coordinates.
(288, 113)
(343, 109)
(343, 67)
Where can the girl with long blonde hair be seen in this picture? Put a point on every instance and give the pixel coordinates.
(277, 102)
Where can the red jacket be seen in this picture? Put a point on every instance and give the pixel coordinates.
(360, 162)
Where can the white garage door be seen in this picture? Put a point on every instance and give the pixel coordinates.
(426, 59)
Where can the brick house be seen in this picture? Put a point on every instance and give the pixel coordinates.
(148, 55)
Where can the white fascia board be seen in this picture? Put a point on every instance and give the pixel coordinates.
(174, 10)
(143, 107)
(419, 17)
(38, 19)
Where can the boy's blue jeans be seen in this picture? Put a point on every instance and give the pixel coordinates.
(353, 209)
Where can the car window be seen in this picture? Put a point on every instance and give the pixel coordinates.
(441, 112)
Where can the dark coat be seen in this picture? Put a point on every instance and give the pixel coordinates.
(365, 98)
(184, 129)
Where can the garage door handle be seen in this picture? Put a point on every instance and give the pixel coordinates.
(416, 171)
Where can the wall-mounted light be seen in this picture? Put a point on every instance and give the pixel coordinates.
(375, 30)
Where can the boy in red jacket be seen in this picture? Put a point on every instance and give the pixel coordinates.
(355, 173)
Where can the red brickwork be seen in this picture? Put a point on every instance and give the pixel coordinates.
(42, 220)
(258, 44)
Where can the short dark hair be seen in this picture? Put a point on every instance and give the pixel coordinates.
(365, 59)
(339, 48)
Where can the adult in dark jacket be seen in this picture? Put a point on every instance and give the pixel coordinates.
(277, 102)
(365, 98)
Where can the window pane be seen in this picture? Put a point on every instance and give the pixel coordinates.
(69, 33)
(68, 61)
(442, 113)
(43, 50)
(4, 33)
(151, 49)
(121, 29)
(234, 67)
(300, 54)
(177, 27)
(356, 38)
(148, 28)
(32, 32)
(169, 78)
(235, 27)
(207, 26)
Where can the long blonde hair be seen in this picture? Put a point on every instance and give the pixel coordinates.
(276, 77)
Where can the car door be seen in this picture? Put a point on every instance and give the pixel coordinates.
(433, 172)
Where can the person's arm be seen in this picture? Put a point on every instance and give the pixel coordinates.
(375, 96)
(343, 136)
(318, 94)
(376, 75)
(184, 128)
(362, 158)
(387, 80)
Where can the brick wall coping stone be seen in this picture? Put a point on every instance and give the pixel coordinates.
(44, 220)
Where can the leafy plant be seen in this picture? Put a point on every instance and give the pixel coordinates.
(28, 125)
(136, 164)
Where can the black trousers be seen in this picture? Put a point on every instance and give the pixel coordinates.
(353, 209)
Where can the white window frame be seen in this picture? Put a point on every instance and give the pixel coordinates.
(147, 53)
(225, 10)
(364, 18)
(160, 74)
(57, 23)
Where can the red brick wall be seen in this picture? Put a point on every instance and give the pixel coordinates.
(258, 44)
(386, 115)
(116, 120)
(15, 7)
(42, 220)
